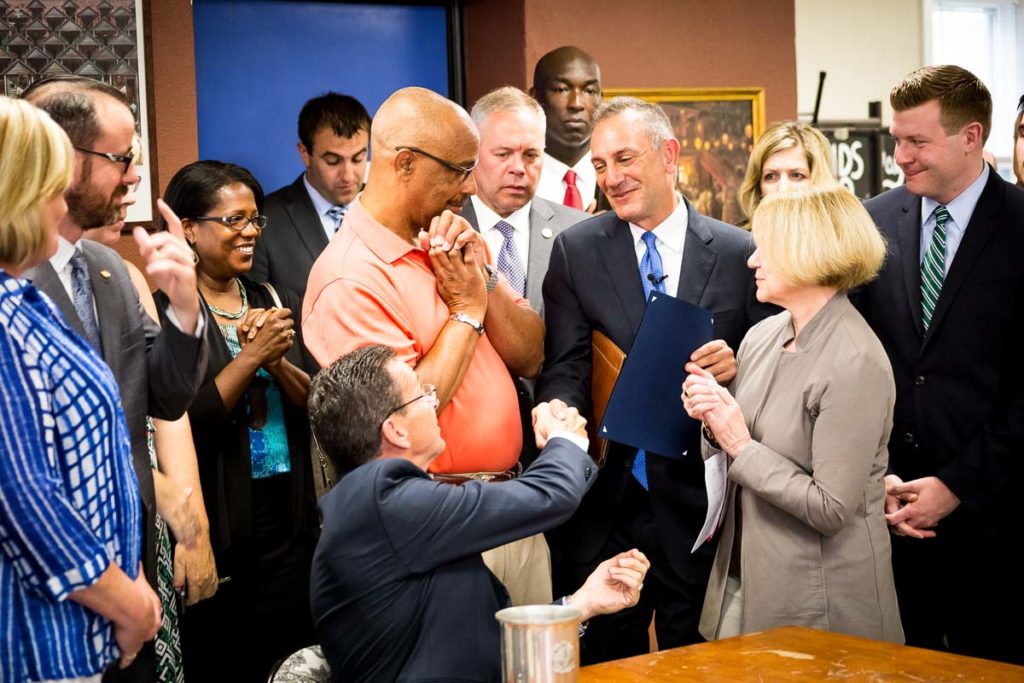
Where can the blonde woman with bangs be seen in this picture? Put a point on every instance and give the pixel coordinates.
(789, 155)
(805, 430)
(71, 522)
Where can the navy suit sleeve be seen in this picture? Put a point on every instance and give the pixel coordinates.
(567, 354)
(430, 524)
(175, 364)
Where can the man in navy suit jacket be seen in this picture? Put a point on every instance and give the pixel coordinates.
(595, 283)
(399, 590)
(949, 308)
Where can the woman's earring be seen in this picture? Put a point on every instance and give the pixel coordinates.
(195, 257)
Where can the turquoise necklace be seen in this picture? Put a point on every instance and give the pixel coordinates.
(227, 314)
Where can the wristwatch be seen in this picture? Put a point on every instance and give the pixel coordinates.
(472, 322)
(492, 281)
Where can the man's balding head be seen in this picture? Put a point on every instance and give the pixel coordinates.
(423, 146)
(567, 83)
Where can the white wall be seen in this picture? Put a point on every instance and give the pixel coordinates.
(866, 46)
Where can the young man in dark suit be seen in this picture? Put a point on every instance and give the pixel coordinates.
(334, 139)
(949, 308)
(598, 280)
(158, 369)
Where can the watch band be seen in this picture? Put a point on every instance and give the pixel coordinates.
(472, 322)
(492, 280)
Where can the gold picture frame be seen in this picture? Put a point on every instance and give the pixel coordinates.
(716, 129)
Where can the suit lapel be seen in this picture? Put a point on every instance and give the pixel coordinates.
(618, 255)
(983, 224)
(45, 279)
(908, 240)
(305, 219)
(698, 258)
(540, 250)
(469, 213)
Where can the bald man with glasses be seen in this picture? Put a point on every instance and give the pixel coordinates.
(407, 272)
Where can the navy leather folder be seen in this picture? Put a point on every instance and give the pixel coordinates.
(645, 410)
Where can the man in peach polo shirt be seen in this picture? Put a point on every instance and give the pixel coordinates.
(406, 271)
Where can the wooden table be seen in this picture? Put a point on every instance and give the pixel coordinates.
(793, 653)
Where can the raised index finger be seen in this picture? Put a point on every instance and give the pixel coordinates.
(173, 222)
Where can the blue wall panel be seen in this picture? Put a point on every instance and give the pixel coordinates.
(257, 61)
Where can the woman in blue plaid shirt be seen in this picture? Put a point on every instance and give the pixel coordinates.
(72, 598)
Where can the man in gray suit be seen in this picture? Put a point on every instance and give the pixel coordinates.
(518, 226)
(334, 140)
(157, 369)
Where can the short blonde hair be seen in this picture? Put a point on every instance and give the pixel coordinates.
(505, 98)
(36, 164)
(781, 136)
(819, 237)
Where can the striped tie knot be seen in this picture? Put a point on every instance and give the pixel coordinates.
(933, 268)
(336, 213)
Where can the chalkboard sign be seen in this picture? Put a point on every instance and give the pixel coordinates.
(863, 155)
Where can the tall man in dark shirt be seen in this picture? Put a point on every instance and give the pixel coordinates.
(949, 308)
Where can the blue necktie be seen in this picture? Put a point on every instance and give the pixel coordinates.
(509, 263)
(337, 213)
(652, 277)
(81, 295)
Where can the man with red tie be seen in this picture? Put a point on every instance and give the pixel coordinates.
(567, 83)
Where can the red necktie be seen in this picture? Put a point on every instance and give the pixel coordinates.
(572, 195)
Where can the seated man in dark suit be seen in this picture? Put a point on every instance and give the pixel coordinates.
(334, 140)
(399, 589)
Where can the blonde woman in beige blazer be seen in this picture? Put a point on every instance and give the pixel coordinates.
(804, 538)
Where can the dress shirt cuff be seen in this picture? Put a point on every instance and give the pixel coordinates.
(200, 322)
(581, 441)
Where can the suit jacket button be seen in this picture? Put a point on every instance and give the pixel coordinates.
(919, 380)
(587, 472)
(908, 438)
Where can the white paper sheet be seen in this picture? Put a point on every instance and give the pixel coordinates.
(716, 480)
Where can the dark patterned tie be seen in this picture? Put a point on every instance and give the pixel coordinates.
(81, 295)
(652, 277)
(337, 214)
(509, 263)
(933, 267)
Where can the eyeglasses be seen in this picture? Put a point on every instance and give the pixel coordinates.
(429, 393)
(236, 223)
(125, 159)
(463, 171)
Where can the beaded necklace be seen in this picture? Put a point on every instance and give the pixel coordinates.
(227, 314)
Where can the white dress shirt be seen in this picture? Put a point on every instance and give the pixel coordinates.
(671, 236)
(552, 180)
(960, 211)
(486, 219)
(322, 206)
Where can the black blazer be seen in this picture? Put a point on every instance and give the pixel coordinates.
(222, 445)
(399, 590)
(292, 241)
(593, 283)
(960, 386)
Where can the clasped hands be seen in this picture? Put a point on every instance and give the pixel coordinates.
(916, 507)
(705, 399)
(554, 416)
(457, 257)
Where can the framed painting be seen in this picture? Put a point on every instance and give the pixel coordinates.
(99, 39)
(716, 129)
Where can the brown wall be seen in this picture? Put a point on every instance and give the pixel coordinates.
(643, 44)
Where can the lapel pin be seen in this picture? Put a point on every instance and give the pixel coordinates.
(105, 274)
(546, 233)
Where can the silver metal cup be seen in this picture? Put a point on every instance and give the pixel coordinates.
(539, 644)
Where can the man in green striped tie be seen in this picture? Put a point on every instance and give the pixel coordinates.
(949, 308)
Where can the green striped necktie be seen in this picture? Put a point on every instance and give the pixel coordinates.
(933, 267)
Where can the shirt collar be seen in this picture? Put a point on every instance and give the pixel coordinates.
(671, 232)
(321, 205)
(961, 208)
(65, 250)
(487, 218)
(378, 238)
(582, 167)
